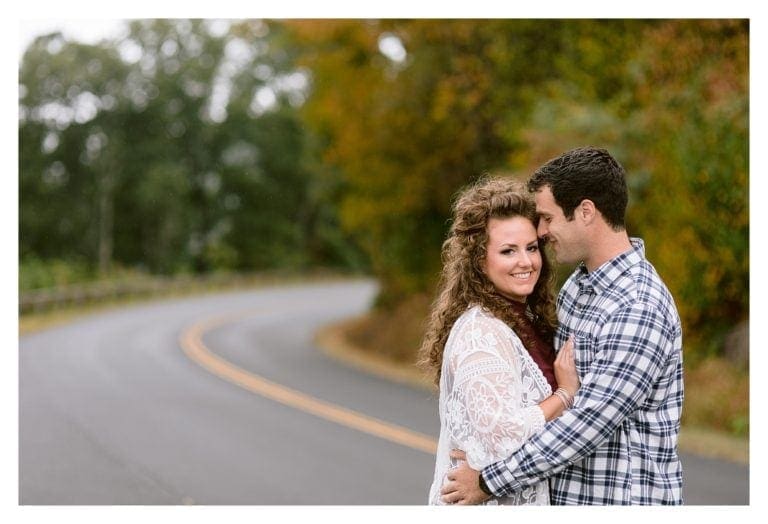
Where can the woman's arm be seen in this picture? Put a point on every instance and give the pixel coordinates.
(486, 412)
(568, 381)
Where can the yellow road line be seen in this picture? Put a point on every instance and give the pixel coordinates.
(191, 341)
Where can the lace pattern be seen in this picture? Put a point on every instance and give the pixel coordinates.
(490, 389)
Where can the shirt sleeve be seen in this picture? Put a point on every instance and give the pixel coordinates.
(629, 356)
(486, 416)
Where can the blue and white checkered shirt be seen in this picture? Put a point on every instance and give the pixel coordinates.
(618, 444)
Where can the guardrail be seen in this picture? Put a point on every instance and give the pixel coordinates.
(84, 294)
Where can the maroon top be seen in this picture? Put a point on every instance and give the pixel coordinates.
(542, 352)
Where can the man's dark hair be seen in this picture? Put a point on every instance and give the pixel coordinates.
(585, 173)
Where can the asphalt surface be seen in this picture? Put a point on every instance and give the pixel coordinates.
(113, 412)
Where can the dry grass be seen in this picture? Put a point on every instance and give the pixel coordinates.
(394, 335)
(714, 444)
(334, 340)
(717, 397)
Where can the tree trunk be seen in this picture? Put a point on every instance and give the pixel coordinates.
(106, 221)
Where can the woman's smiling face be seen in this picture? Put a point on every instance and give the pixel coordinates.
(513, 259)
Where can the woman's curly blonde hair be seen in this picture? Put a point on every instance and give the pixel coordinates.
(464, 283)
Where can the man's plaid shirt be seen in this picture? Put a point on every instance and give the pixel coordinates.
(618, 444)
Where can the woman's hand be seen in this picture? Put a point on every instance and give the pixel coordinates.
(565, 368)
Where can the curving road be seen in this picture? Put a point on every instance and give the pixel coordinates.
(224, 399)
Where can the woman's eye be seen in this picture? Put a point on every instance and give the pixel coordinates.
(533, 249)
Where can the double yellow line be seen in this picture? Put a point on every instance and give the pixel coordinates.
(191, 341)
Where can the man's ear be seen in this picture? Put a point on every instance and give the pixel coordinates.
(586, 211)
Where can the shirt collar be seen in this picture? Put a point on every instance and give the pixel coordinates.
(602, 277)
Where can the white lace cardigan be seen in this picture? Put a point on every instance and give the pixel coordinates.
(490, 389)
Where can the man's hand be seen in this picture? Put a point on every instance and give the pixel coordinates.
(462, 487)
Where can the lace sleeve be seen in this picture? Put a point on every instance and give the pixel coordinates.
(485, 409)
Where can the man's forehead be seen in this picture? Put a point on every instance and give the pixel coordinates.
(545, 202)
(543, 196)
(543, 191)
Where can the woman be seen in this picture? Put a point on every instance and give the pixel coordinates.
(495, 300)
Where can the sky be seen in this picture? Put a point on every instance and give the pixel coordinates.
(87, 31)
(81, 20)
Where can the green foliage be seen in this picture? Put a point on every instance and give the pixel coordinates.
(359, 167)
(669, 98)
(35, 273)
(404, 137)
(679, 124)
(174, 148)
(693, 110)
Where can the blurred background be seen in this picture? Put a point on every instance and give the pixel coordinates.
(176, 150)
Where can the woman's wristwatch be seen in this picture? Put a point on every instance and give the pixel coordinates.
(484, 486)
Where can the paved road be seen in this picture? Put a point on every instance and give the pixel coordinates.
(128, 407)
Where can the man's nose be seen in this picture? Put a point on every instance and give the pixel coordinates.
(542, 230)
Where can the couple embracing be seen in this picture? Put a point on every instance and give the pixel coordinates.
(595, 422)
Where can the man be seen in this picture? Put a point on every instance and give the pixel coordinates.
(618, 443)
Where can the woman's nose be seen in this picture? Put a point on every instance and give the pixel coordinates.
(525, 258)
